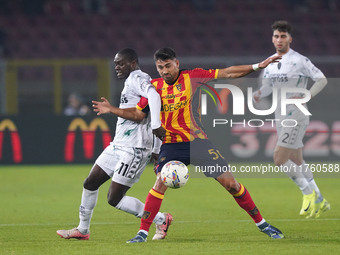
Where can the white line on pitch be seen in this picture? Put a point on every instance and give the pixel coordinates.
(182, 222)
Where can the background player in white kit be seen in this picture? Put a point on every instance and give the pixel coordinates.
(293, 71)
(127, 155)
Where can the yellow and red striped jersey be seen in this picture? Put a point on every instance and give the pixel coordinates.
(180, 114)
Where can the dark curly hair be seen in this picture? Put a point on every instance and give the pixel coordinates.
(282, 26)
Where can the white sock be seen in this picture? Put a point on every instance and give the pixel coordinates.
(143, 231)
(295, 173)
(159, 218)
(306, 171)
(88, 202)
(315, 187)
(310, 178)
(260, 223)
(134, 206)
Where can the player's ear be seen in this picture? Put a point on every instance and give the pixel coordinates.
(133, 64)
(290, 39)
(177, 63)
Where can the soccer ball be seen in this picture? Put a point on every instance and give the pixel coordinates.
(174, 174)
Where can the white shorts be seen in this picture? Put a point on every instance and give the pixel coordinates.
(291, 137)
(288, 135)
(124, 164)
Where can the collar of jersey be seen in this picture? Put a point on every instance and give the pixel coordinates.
(176, 78)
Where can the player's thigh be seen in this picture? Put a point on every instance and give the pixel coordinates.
(212, 163)
(108, 160)
(96, 178)
(173, 151)
(130, 165)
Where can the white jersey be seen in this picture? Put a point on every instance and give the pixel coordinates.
(130, 133)
(293, 71)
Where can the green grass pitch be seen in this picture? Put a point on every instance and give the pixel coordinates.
(35, 201)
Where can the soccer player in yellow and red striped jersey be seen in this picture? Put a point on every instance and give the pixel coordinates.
(180, 105)
(184, 138)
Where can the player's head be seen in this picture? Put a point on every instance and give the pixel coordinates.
(167, 64)
(126, 61)
(281, 36)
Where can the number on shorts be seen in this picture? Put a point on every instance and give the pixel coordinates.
(121, 168)
(216, 153)
(284, 139)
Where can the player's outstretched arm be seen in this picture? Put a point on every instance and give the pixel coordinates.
(318, 86)
(240, 71)
(129, 113)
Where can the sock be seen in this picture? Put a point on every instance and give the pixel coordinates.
(263, 225)
(261, 222)
(159, 219)
(131, 205)
(88, 202)
(134, 206)
(144, 232)
(244, 200)
(296, 174)
(311, 183)
(307, 173)
(153, 203)
(315, 187)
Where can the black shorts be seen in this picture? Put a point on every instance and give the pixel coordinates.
(200, 152)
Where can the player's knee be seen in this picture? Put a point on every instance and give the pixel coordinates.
(159, 185)
(230, 184)
(89, 185)
(113, 200)
(279, 160)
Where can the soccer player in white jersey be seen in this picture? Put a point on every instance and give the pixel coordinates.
(127, 155)
(293, 71)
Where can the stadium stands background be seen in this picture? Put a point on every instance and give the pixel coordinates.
(63, 29)
(218, 29)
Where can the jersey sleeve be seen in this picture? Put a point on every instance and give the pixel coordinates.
(199, 75)
(143, 105)
(310, 70)
(143, 83)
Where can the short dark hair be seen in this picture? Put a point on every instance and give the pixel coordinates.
(129, 54)
(164, 54)
(282, 26)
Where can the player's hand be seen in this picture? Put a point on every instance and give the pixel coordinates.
(101, 107)
(268, 61)
(257, 96)
(154, 157)
(159, 132)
